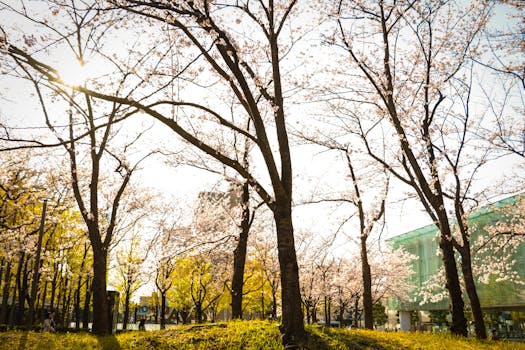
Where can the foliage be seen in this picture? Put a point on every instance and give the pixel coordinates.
(380, 316)
(244, 335)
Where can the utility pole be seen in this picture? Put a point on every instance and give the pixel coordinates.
(36, 268)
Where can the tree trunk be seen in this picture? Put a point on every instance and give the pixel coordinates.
(367, 285)
(19, 314)
(475, 305)
(356, 311)
(198, 312)
(67, 307)
(263, 307)
(53, 287)
(239, 256)
(459, 322)
(5, 294)
(77, 302)
(163, 310)
(42, 305)
(101, 324)
(326, 310)
(87, 302)
(2, 265)
(292, 327)
(126, 309)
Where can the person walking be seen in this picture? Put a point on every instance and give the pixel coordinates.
(49, 323)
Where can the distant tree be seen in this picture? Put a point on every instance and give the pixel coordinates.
(380, 316)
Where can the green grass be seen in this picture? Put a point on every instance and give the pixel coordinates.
(248, 335)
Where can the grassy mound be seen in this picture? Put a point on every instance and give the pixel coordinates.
(248, 335)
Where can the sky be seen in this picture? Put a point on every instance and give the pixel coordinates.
(313, 167)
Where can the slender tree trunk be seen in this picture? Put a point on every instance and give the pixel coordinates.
(239, 255)
(470, 286)
(126, 309)
(163, 310)
(263, 308)
(367, 285)
(326, 310)
(53, 287)
(43, 300)
(77, 303)
(36, 270)
(67, 308)
(12, 310)
(5, 294)
(307, 306)
(101, 324)
(2, 268)
(274, 301)
(341, 312)
(19, 315)
(87, 302)
(292, 311)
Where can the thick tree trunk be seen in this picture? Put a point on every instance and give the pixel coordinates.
(101, 324)
(292, 327)
(239, 256)
(367, 285)
(198, 312)
(475, 305)
(459, 322)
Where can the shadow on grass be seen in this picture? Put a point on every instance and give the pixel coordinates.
(23, 342)
(108, 342)
(322, 338)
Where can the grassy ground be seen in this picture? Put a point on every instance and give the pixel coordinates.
(248, 335)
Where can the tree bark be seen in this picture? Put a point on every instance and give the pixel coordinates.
(87, 302)
(126, 309)
(459, 322)
(198, 312)
(101, 324)
(5, 294)
(470, 286)
(292, 327)
(20, 285)
(77, 302)
(239, 255)
(163, 310)
(367, 285)
(53, 287)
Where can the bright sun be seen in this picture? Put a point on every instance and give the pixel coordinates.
(72, 72)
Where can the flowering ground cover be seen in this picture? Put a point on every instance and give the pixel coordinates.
(249, 335)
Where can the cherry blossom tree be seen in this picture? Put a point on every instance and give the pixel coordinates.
(407, 87)
(235, 59)
(90, 138)
(130, 256)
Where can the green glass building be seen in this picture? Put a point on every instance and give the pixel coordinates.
(502, 301)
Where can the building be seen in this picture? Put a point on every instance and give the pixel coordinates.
(502, 301)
